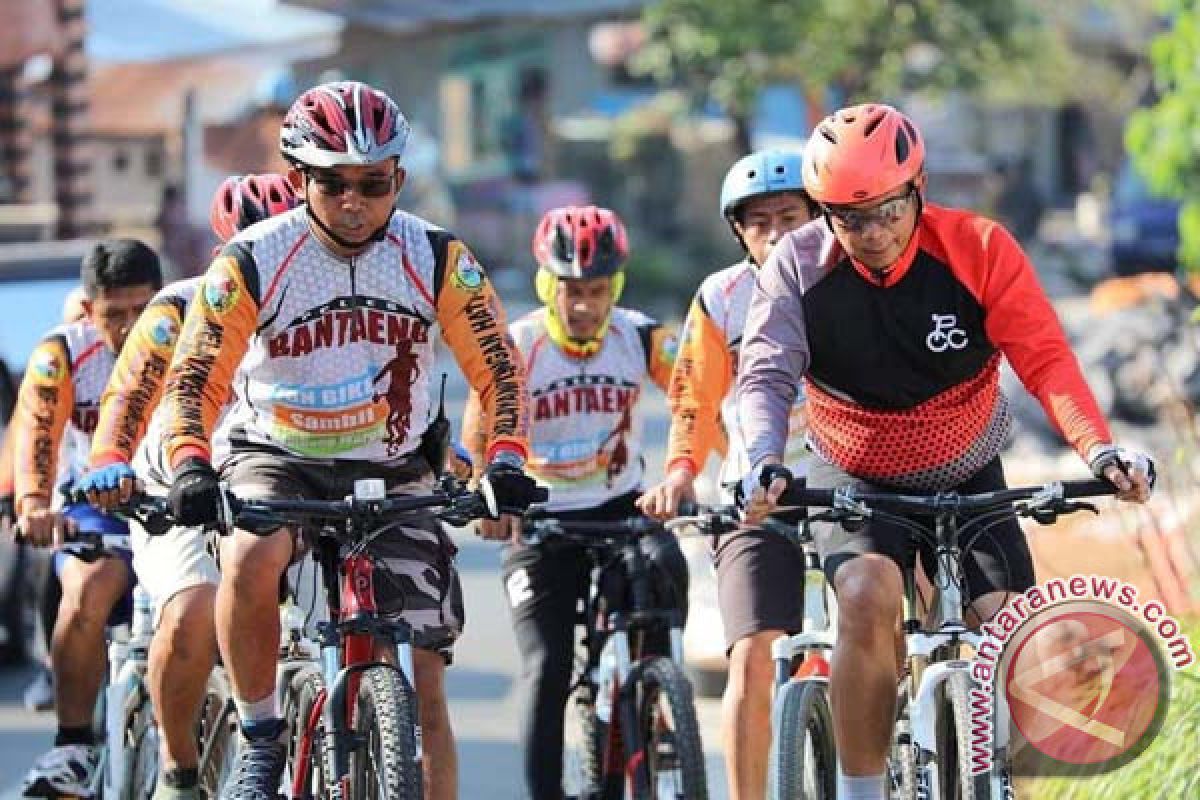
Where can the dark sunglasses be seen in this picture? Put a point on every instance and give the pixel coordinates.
(333, 186)
(889, 212)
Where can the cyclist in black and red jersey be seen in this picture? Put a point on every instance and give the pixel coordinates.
(906, 397)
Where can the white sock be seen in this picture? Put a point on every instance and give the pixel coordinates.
(263, 710)
(860, 787)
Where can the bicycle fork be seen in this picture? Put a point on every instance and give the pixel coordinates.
(351, 641)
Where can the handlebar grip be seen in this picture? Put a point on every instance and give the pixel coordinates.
(1095, 487)
(688, 508)
(803, 496)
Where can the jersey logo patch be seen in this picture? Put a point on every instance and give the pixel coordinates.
(220, 288)
(164, 332)
(468, 275)
(946, 335)
(47, 367)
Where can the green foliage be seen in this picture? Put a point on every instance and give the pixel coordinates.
(869, 49)
(1167, 770)
(1164, 140)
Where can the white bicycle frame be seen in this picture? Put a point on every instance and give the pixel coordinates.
(127, 652)
(950, 632)
(818, 628)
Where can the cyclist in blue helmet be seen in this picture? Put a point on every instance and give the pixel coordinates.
(758, 575)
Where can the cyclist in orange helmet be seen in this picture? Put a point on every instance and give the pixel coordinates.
(905, 398)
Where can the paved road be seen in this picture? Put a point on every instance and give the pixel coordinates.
(482, 687)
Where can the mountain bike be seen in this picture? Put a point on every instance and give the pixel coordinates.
(631, 712)
(124, 716)
(802, 761)
(929, 756)
(353, 720)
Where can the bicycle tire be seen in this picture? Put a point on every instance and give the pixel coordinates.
(803, 759)
(902, 758)
(583, 747)
(953, 732)
(385, 715)
(216, 733)
(303, 693)
(141, 746)
(674, 764)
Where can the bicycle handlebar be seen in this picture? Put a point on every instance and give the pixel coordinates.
(535, 531)
(263, 517)
(850, 500)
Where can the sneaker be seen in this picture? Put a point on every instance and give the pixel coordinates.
(257, 769)
(164, 792)
(39, 694)
(69, 770)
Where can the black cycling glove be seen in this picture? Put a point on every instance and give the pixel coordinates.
(761, 476)
(509, 490)
(8, 510)
(195, 496)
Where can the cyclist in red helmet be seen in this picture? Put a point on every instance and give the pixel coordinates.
(307, 310)
(587, 360)
(906, 397)
(175, 569)
(242, 200)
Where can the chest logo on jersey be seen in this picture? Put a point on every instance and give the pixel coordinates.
(347, 320)
(946, 335)
(586, 394)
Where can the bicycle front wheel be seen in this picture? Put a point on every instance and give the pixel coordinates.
(216, 733)
(306, 776)
(802, 763)
(953, 730)
(141, 747)
(672, 758)
(388, 765)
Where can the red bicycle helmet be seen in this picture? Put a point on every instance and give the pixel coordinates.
(244, 200)
(581, 242)
(860, 153)
(339, 123)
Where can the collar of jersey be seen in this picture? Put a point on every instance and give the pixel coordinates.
(899, 269)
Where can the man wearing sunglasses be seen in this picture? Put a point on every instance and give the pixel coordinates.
(896, 313)
(307, 310)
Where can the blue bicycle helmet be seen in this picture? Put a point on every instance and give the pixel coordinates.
(761, 172)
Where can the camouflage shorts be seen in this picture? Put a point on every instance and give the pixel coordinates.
(418, 581)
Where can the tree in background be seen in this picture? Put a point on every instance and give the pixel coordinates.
(1164, 139)
(1014, 51)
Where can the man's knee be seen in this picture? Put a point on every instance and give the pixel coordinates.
(251, 565)
(751, 671)
(869, 591)
(186, 630)
(90, 591)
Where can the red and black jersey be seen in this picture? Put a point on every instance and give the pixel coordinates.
(903, 367)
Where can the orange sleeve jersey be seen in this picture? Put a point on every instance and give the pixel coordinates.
(335, 359)
(57, 407)
(6, 464)
(475, 328)
(136, 385)
(701, 380)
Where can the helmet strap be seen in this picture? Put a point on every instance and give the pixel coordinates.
(546, 284)
(377, 236)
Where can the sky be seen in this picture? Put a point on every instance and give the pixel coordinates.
(151, 30)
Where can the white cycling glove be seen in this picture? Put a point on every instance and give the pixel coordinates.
(1103, 456)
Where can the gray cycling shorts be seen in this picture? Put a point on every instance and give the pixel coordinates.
(417, 579)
